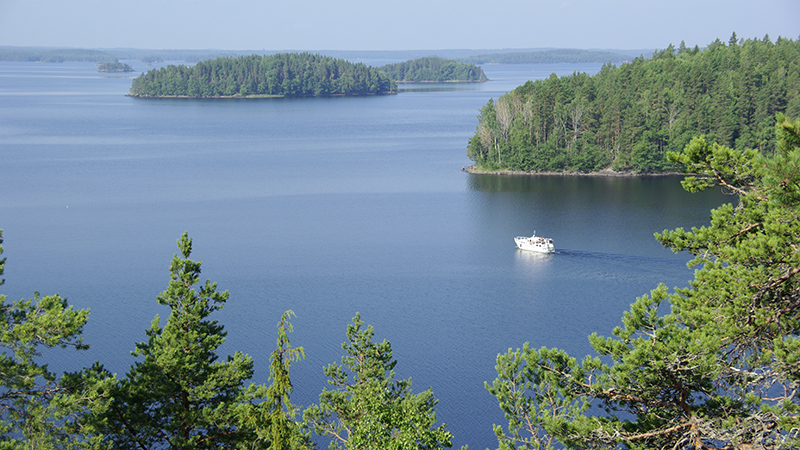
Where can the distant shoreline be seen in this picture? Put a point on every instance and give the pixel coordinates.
(257, 96)
(201, 97)
(443, 81)
(601, 173)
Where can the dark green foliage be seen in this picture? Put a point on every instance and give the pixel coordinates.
(284, 74)
(433, 68)
(629, 117)
(368, 408)
(37, 410)
(180, 395)
(114, 67)
(273, 419)
(721, 369)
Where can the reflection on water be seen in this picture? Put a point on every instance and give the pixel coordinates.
(533, 263)
(438, 87)
(551, 182)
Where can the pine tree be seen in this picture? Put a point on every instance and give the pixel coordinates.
(180, 395)
(721, 369)
(368, 408)
(36, 408)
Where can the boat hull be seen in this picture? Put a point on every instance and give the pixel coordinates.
(535, 244)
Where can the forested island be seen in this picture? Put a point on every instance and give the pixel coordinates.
(279, 75)
(627, 118)
(295, 75)
(114, 67)
(433, 69)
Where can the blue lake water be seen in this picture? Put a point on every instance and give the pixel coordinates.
(327, 207)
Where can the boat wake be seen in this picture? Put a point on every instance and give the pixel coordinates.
(618, 267)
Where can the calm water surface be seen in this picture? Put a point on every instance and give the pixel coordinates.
(328, 207)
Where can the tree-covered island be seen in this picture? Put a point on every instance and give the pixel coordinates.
(113, 67)
(627, 118)
(433, 69)
(279, 75)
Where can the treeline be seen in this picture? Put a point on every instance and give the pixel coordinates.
(28, 54)
(157, 56)
(627, 118)
(433, 68)
(283, 74)
(556, 56)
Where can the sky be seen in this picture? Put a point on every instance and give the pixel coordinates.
(391, 25)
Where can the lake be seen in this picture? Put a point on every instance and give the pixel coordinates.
(328, 207)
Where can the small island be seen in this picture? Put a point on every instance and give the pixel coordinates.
(433, 69)
(256, 76)
(114, 67)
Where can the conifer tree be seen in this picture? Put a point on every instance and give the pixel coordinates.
(367, 408)
(37, 411)
(628, 117)
(180, 395)
(273, 418)
(721, 369)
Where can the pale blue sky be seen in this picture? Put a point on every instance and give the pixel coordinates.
(381, 25)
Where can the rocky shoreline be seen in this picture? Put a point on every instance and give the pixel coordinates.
(602, 173)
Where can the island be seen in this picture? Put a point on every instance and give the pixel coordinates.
(112, 67)
(627, 118)
(256, 76)
(433, 69)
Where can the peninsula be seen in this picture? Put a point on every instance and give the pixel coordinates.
(627, 118)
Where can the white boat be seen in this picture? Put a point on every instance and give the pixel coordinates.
(535, 244)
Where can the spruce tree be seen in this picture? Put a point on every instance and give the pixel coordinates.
(274, 418)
